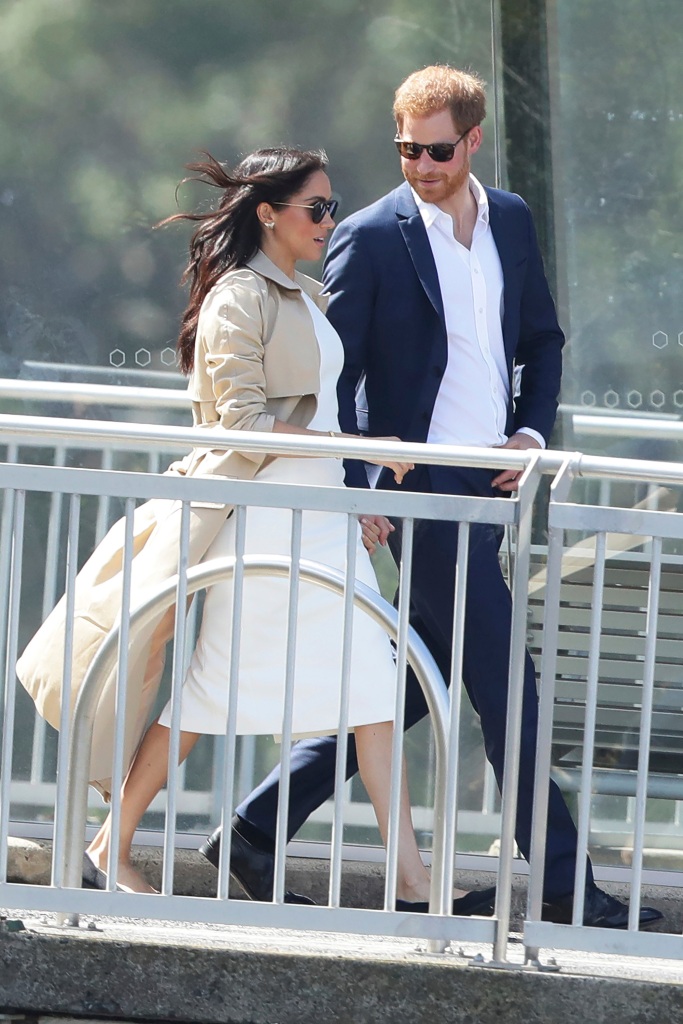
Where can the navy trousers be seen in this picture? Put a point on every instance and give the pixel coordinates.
(485, 676)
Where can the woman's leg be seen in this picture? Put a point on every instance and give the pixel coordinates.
(145, 779)
(373, 745)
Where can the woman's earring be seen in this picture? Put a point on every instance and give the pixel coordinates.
(269, 224)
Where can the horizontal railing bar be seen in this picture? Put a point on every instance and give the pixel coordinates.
(142, 376)
(94, 394)
(599, 467)
(99, 433)
(38, 429)
(627, 426)
(93, 482)
(619, 782)
(633, 521)
(209, 910)
(663, 945)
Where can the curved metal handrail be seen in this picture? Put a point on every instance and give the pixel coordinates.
(204, 575)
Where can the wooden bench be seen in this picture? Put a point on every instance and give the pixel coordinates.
(620, 674)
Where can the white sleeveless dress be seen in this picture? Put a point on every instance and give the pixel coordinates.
(264, 609)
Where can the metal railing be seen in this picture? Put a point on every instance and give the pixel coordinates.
(75, 482)
(196, 792)
(196, 797)
(564, 516)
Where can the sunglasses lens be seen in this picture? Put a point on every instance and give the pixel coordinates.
(409, 150)
(319, 209)
(441, 152)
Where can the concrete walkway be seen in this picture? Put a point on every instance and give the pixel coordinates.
(229, 975)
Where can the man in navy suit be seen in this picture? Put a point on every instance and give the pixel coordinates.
(438, 293)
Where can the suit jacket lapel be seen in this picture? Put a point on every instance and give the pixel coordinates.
(415, 235)
(508, 260)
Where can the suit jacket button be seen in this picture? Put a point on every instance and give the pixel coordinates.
(437, 371)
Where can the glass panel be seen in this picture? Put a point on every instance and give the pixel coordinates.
(102, 105)
(617, 136)
(616, 123)
(102, 109)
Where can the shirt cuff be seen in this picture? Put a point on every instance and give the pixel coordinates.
(533, 433)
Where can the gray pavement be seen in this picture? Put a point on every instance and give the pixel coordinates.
(143, 970)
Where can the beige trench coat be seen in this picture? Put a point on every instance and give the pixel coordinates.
(256, 360)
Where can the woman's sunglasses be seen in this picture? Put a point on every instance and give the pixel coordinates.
(318, 209)
(439, 152)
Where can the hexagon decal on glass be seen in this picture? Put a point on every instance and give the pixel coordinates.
(168, 356)
(588, 398)
(660, 339)
(117, 357)
(611, 399)
(678, 399)
(143, 357)
(634, 399)
(657, 399)
(680, 338)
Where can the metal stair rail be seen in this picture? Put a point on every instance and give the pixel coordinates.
(204, 575)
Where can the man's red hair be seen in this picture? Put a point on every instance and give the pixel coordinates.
(438, 88)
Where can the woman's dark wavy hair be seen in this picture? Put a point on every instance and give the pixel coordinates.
(230, 235)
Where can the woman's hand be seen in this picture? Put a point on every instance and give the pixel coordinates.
(399, 469)
(375, 530)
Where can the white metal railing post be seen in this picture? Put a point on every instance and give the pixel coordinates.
(59, 834)
(17, 514)
(539, 819)
(528, 487)
(649, 659)
(282, 821)
(229, 741)
(407, 531)
(341, 753)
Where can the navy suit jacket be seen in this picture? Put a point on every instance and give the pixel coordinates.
(386, 304)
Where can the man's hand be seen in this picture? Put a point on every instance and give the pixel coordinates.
(375, 529)
(508, 480)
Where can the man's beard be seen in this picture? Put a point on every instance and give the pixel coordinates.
(448, 184)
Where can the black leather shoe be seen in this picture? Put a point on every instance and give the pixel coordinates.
(479, 901)
(252, 869)
(600, 910)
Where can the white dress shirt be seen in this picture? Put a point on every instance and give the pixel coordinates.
(471, 404)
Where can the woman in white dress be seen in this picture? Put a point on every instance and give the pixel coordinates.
(254, 336)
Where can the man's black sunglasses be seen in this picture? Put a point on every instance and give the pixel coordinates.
(318, 209)
(439, 152)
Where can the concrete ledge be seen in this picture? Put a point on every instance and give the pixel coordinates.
(205, 979)
(29, 861)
